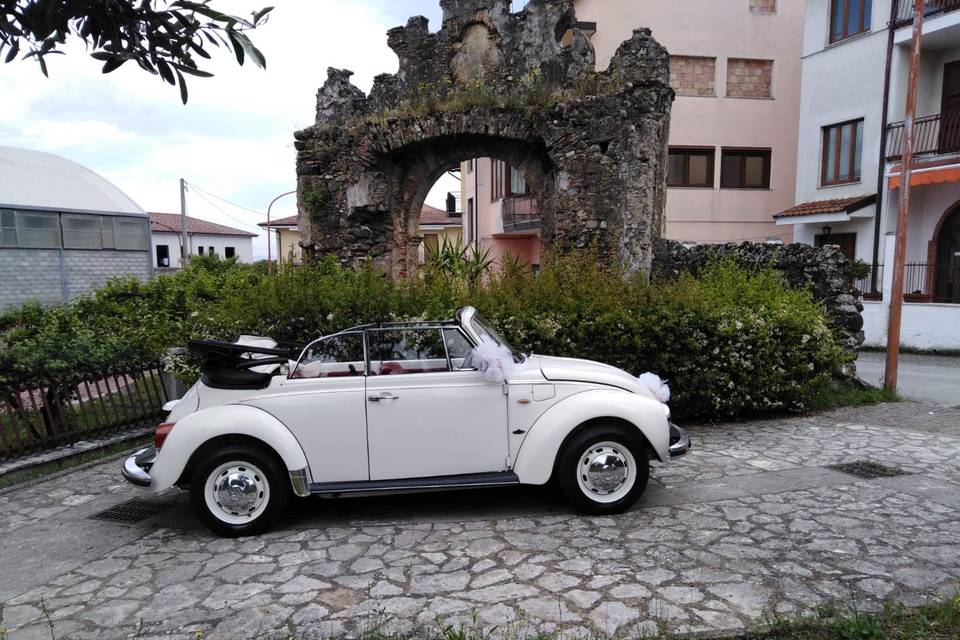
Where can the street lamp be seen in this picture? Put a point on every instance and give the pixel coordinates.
(269, 238)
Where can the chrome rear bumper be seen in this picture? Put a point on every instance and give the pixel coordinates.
(679, 441)
(136, 468)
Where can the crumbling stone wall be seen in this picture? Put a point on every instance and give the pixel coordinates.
(825, 270)
(491, 83)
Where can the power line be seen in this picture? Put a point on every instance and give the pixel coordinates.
(232, 204)
(214, 205)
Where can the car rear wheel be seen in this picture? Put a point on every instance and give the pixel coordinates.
(603, 470)
(238, 491)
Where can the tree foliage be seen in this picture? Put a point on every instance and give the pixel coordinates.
(165, 40)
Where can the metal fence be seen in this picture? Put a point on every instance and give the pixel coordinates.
(60, 411)
(933, 135)
(863, 285)
(904, 14)
(918, 282)
(520, 213)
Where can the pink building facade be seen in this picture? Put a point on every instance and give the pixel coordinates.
(735, 65)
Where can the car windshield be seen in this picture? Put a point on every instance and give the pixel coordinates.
(488, 334)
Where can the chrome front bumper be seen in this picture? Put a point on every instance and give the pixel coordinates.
(679, 441)
(136, 468)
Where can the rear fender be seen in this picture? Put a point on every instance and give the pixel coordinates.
(539, 451)
(194, 430)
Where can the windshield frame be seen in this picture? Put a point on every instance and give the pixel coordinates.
(486, 333)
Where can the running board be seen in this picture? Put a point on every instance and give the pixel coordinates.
(498, 479)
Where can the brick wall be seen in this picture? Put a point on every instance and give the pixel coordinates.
(763, 6)
(749, 78)
(693, 75)
(29, 274)
(88, 270)
(34, 274)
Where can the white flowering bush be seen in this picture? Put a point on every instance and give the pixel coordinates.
(731, 343)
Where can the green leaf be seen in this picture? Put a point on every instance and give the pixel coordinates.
(183, 87)
(113, 64)
(193, 71)
(237, 46)
(14, 49)
(165, 71)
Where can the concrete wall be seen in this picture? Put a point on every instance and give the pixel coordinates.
(37, 274)
(924, 326)
(242, 244)
(841, 82)
(721, 29)
(29, 274)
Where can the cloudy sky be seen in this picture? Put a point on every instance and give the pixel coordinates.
(234, 138)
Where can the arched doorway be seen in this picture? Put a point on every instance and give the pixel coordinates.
(947, 275)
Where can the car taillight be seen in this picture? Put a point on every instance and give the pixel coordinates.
(163, 430)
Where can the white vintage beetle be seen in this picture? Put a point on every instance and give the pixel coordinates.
(400, 407)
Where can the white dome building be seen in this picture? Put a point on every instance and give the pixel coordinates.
(64, 230)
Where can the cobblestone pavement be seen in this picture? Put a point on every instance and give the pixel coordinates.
(749, 524)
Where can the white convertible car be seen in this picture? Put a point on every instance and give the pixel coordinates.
(401, 407)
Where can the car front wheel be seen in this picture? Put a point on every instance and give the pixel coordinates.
(238, 491)
(603, 470)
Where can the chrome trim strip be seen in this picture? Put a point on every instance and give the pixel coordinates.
(300, 482)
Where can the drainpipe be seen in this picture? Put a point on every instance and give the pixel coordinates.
(881, 180)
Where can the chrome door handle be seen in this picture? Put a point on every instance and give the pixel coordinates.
(383, 396)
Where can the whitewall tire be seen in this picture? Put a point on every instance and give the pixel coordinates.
(603, 469)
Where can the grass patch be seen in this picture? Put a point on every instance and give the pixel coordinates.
(72, 462)
(933, 621)
(833, 395)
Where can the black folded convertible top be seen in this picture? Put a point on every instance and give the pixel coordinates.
(227, 365)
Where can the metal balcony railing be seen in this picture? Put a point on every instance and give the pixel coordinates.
(904, 15)
(933, 135)
(520, 213)
(862, 285)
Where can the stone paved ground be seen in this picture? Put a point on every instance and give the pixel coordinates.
(748, 524)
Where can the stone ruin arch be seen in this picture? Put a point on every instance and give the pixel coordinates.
(520, 87)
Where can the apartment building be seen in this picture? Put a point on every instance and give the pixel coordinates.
(735, 65)
(856, 58)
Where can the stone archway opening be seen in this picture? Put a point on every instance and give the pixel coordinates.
(589, 147)
(946, 250)
(502, 185)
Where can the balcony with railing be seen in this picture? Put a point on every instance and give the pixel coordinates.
(932, 8)
(933, 135)
(520, 214)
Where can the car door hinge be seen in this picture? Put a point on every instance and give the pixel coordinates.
(508, 462)
(506, 389)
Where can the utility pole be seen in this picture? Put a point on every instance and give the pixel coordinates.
(906, 169)
(183, 223)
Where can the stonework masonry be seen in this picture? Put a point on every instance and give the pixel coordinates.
(35, 274)
(749, 78)
(497, 84)
(694, 76)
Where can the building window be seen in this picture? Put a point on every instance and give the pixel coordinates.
(163, 255)
(131, 234)
(8, 228)
(749, 78)
(693, 76)
(690, 167)
(507, 181)
(81, 232)
(211, 251)
(38, 230)
(849, 18)
(229, 252)
(745, 169)
(763, 6)
(842, 153)
(200, 250)
(107, 237)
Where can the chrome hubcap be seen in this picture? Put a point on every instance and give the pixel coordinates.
(237, 492)
(606, 472)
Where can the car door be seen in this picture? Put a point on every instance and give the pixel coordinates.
(425, 416)
(323, 404)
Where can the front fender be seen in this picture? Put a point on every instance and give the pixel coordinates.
(538, 453)
(191, 432)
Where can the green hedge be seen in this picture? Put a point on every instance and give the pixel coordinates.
(732, 344)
